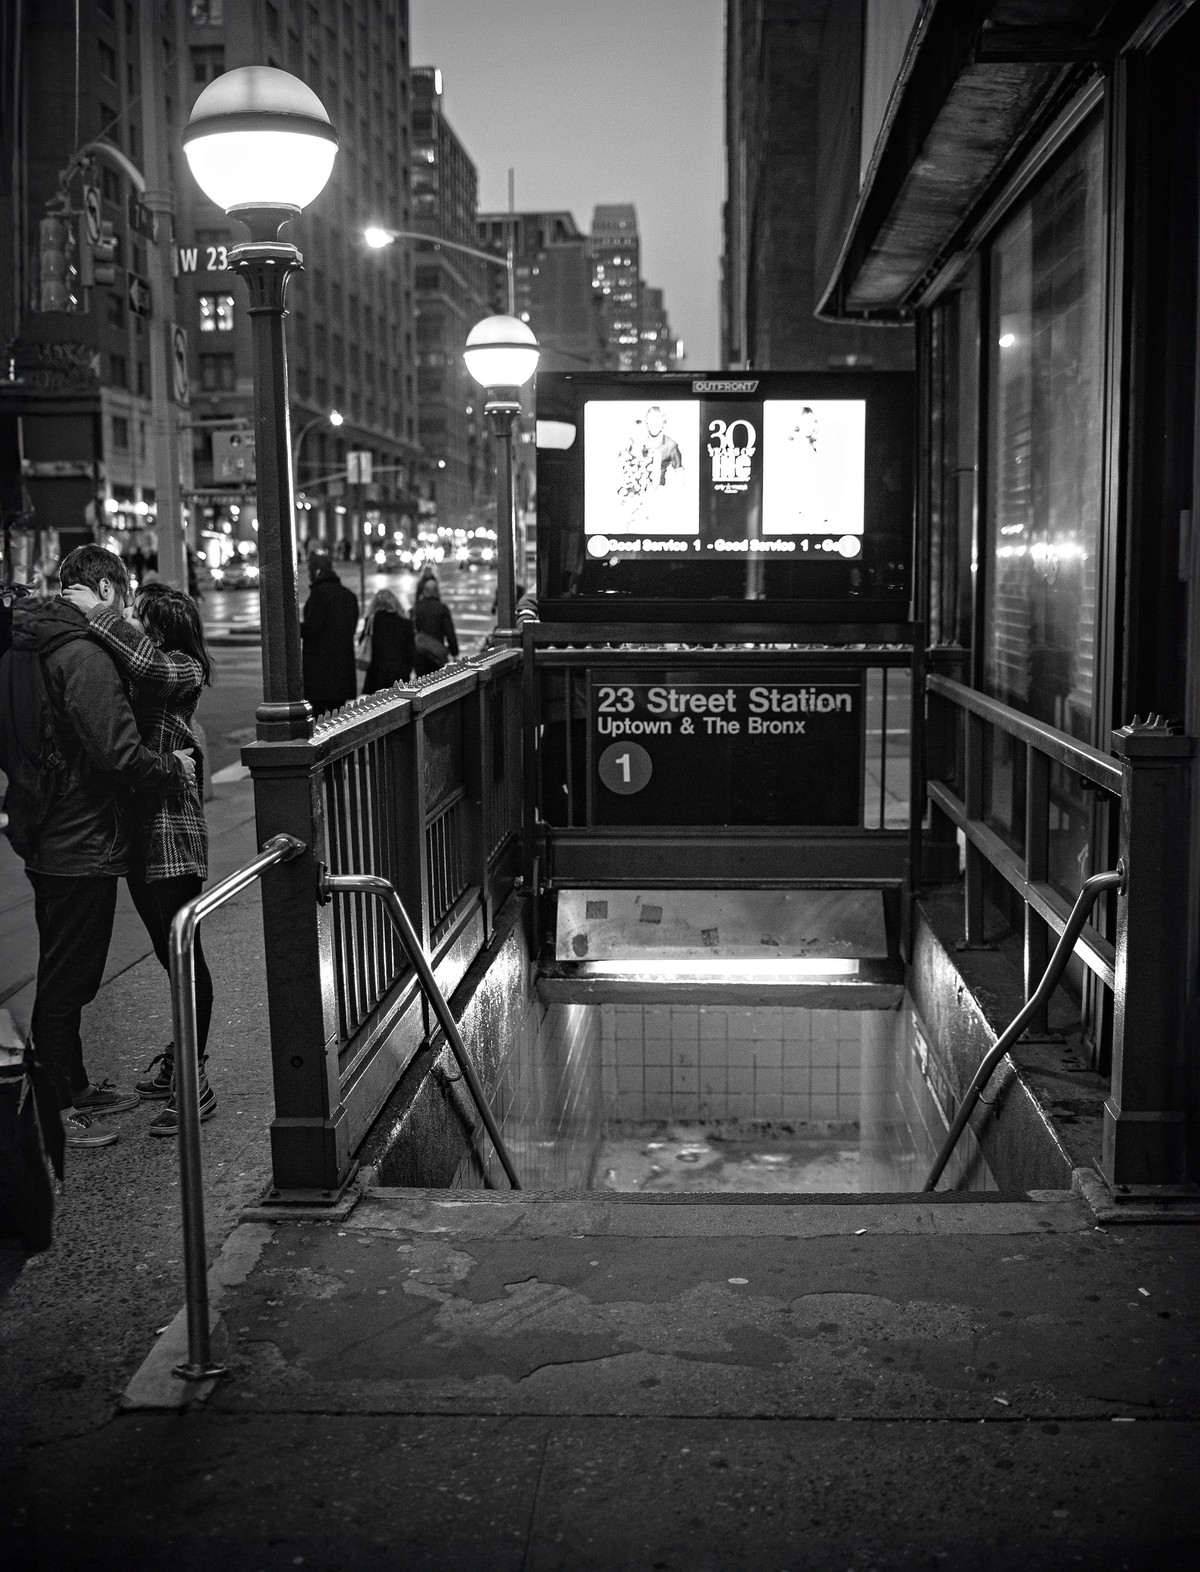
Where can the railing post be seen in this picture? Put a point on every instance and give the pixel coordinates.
(1144, 1130)
(1037, 871)
(310, 1147)
(973, 789)
(477, 770)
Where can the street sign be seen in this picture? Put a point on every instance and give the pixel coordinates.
(91, 212)
(726, 747)
(181, 384)
(139, 295)
(141, 218)
(233, 456)
(358, 467)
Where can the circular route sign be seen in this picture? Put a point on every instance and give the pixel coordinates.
(625, 767)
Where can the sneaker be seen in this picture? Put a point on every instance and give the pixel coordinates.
(105, 1098)
(79, 1131)
(157, 1084)
(167, 1122)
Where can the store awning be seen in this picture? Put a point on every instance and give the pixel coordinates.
(977, 82)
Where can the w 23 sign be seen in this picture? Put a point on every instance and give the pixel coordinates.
(713, 748)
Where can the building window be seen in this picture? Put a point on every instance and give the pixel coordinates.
(207, 63)
(216, 313)
(143, 379)
(116, 309)
(119, 371)
(216, 373)
(1045, 449)
(120, 433)
(108, 60)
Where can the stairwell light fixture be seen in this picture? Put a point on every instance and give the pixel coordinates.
(260, 139)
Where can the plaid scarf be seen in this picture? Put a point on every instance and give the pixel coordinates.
(170, 835)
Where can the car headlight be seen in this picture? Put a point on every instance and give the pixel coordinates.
(218, 574)
(252, 573)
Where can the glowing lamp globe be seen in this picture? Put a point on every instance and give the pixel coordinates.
(501, 352)
(258, 138)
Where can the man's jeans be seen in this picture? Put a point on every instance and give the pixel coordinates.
(75, 924)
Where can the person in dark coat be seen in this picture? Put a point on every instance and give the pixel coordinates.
(433, 626)
(74, 837)
(327, 629)
(391, 640)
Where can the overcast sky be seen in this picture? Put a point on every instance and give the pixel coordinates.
(597, 101)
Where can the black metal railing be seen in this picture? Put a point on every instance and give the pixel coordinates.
(419, 786)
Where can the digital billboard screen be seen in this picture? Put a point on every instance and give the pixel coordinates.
(726, 498)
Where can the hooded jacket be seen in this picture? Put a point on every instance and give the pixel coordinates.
(85, 833)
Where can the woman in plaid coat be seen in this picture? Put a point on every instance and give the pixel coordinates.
(160, 649)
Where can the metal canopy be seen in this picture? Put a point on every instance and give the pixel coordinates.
(974, 84)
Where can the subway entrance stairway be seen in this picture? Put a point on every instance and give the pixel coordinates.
(429, 1378)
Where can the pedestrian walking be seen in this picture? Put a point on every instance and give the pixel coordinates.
(162, 652)
(327, 630)
(70, 746)
(433, 626)
(386, 644)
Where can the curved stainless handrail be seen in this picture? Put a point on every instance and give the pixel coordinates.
(280, 848)
(1089, 893)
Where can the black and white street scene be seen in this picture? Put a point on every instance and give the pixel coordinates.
(599, 785)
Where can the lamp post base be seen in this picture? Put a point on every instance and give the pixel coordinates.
(287, 722)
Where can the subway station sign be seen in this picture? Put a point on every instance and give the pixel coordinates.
(707, 748)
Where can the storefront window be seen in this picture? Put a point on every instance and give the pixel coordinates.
(1045, 461)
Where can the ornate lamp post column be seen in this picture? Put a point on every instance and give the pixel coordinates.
(261, 147)
(502, 355)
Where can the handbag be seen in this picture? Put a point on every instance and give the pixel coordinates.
(431, 648)
(362, 659)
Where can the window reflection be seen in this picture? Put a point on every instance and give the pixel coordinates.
(1043, 519)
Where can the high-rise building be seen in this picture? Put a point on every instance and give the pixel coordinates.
(452, 292)
(80, 352)
(553, 290)
(77, 454)
(774, 266)
(658, 349)
(350, 322)
(616, 274)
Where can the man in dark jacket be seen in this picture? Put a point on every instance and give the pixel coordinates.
(327, 629)
(73, 839)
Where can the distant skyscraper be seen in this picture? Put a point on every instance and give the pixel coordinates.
(658, 349)
(616, 274)
(552, 273)
(452, 292)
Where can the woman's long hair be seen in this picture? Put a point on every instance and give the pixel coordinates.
(174, 620)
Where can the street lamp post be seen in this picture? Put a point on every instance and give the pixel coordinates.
(334, 417)
(377, 238)
(502, 354)
(261, 147)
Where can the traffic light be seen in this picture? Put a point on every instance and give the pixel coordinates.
(58, 278)
(104, 255)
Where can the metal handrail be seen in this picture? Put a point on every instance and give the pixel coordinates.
(374, 884)
(280, 848)
(1090, 892)
(1081, 757)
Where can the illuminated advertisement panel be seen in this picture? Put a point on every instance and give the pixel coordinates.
(723, 496)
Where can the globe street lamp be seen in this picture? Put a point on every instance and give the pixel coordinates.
(335, 418)
(502, 354)
(261, 147)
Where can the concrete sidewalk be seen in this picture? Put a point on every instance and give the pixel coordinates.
(598, 1382)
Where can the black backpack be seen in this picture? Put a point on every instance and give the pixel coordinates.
(31, 755)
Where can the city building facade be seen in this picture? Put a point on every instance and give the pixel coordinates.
(552, 285)
(616, 274)
(452, 291)
(80, 416)
(1029, 202)
(779, 97)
